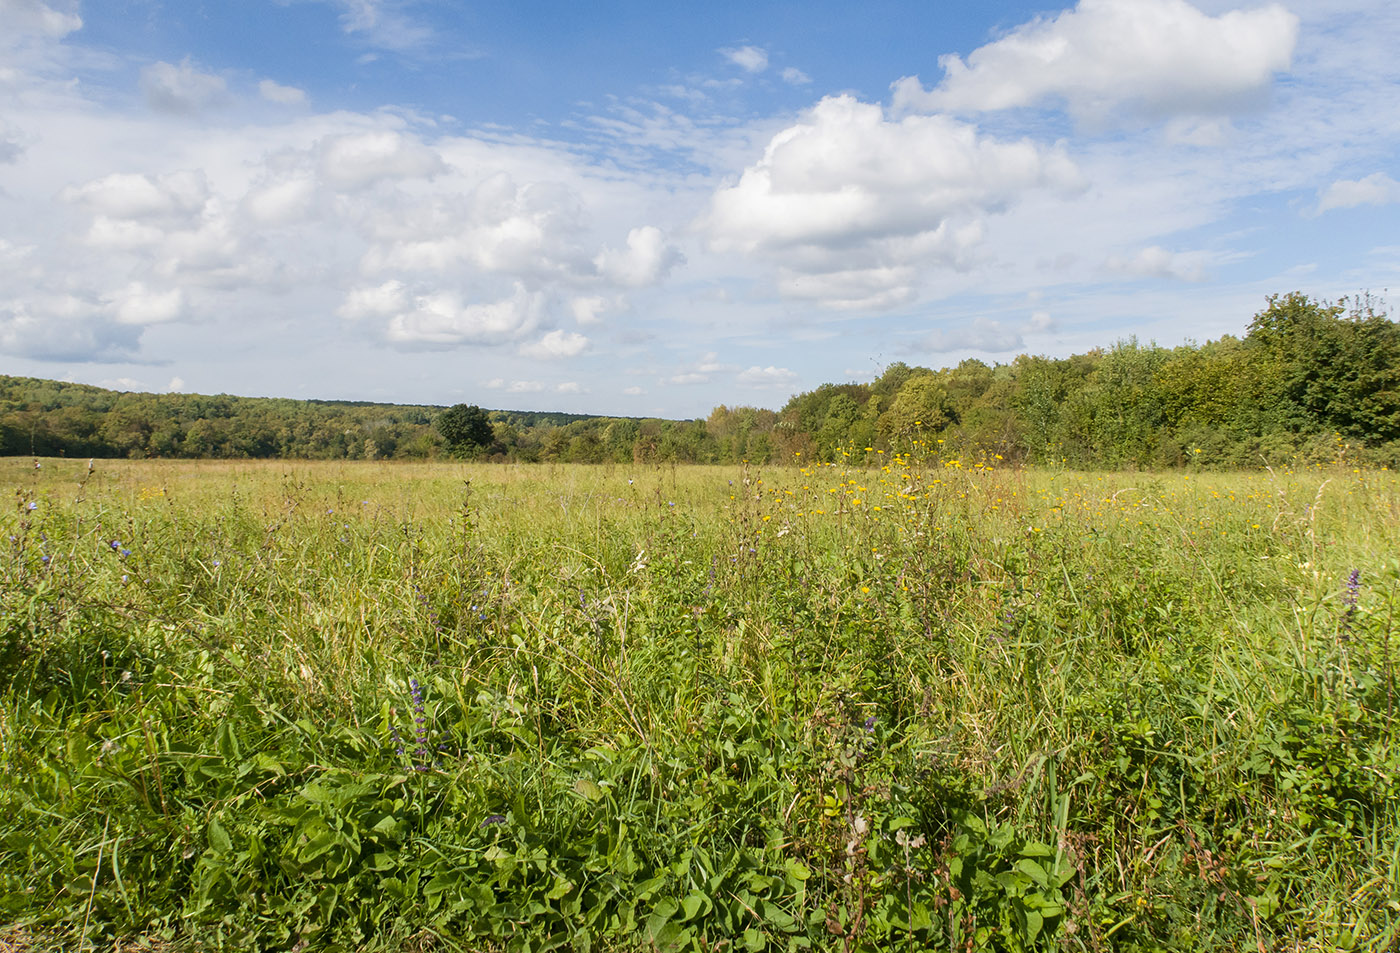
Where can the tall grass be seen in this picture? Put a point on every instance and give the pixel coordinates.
(901, 703)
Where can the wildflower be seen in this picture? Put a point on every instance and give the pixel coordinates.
(493, 819)
(1353, 588)
(32, 506)
(420, 722)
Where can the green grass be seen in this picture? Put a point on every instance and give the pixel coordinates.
(899, 705)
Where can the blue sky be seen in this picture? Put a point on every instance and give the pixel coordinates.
(653, 209)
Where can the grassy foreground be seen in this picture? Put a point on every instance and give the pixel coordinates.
(897, 706)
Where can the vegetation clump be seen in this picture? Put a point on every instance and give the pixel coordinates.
(906, 702)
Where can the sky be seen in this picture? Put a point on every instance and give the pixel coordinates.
(653, 209)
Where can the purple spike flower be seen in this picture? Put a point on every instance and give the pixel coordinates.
(420, 723)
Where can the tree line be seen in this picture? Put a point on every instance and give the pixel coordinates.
(1309, 380)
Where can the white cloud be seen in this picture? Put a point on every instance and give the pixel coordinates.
(36, 17)
(589, 309)
(1157, 262)
(568, 387)
(140, 306)
(633, 391)
(174, 198)
(852, 207)
(524, 387)
(795, 77)
(690, 377)
(556, 344)
(1151, 57)
(647, 259)
(528, 230)
(1375, 189)
(62, 327)
(381, 23)
(281, 202)
(176, 385)
(10, 145)
(983, 334)
(181, 89)
(275, 92)
(380, 301)
(750, 59)
(356, 161)
(775, 377)
(442, 319)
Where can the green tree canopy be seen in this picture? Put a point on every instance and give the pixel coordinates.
(465, 427)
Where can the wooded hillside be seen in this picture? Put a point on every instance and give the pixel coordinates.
(1309, 381)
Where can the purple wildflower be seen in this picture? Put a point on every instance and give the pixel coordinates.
(420, 723)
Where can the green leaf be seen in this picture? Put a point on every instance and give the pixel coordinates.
(588, 788)
(693, 905)
(219, 840)
(1034, 871)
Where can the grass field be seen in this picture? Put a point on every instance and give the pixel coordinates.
(900, 705)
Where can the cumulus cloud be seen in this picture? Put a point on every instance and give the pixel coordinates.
(770, 377)
(982, 334)
(35, 17)
(589, 309)
(378, 301)
(795, 77)
(647, 258)
(442, 318)
(175, 198)
(181, 89)
(176, 385)
(528, 230)
(275, 92)
(750, 59)
(556, 344)
(1155, 261)
(136, 304)
(851, 205)
(281, 201)
(356, 161)
(63, 327)
(1151, 57)
(1375, 189)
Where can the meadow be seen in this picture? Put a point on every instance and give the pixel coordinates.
(900, 703)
